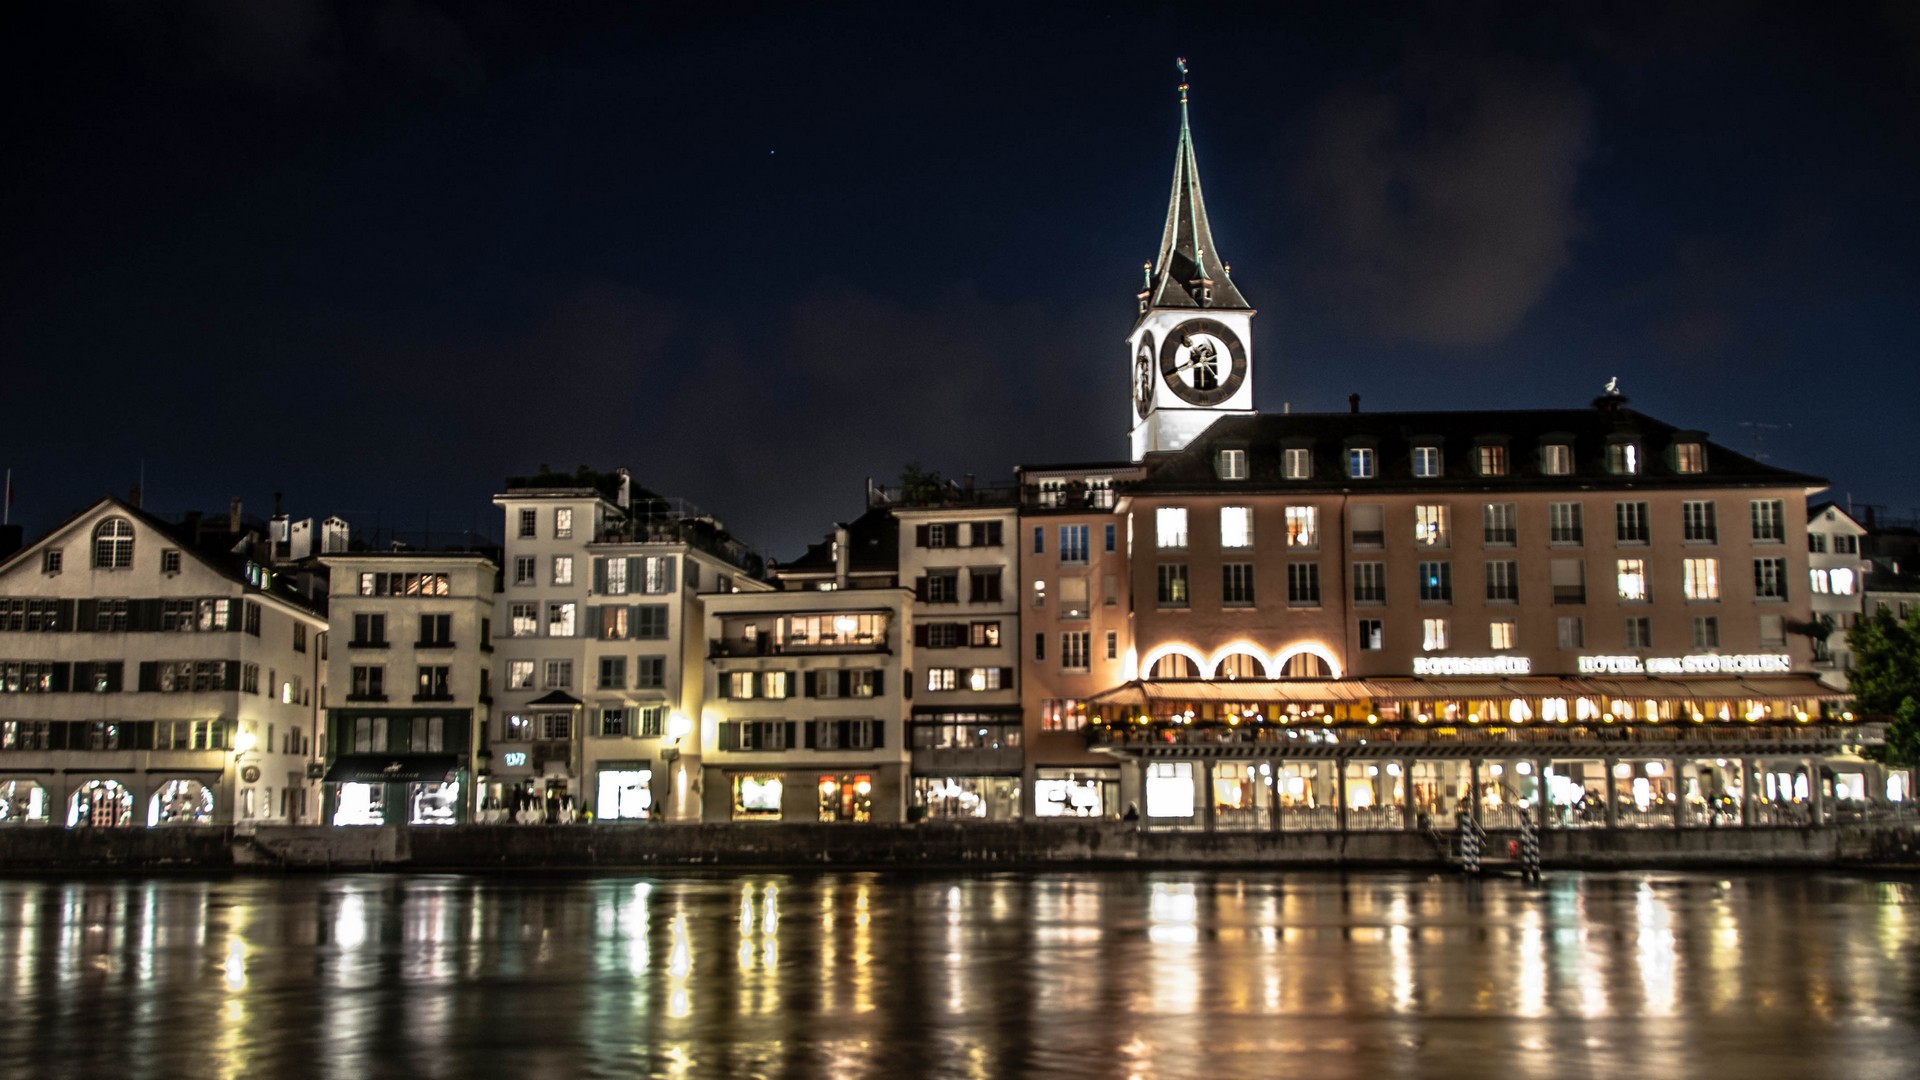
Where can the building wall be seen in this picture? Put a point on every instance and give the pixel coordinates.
(1837, 572)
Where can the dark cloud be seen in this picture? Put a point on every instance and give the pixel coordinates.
(1439, 209)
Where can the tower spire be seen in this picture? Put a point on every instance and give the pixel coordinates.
(1188, 271)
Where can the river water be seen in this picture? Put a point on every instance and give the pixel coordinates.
(1183, 975)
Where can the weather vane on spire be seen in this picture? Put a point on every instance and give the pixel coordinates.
(1181, 63)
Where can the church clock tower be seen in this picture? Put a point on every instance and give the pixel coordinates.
(1191, 349)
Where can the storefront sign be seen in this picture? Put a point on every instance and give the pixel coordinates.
(1698, 664)
(1471, 665)
(514, 759)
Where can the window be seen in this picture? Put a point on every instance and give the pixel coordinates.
(1697, 524)
(1109, 590)
(1569, 581)
(1503, 582)
(50, 560)
(1039, 539)
(943, 678)
(1700, 578)
(563, 523)
(649, 621)
(434, 682)
(1073, 544)
(1436, 582)
(1369, 583)
(1846, 545)
(1039, 647)
(1040, 594)
(1706, 631)
(299, 637)
(524, 620)
(1231, 464)
(1369, 529)
(519, 674)
(1110, 536)
(985, 534)
(522, 570)
(1173, 585)
(616, 576)
(653, 721)
(1075, 601)
(1623, 458)
(1296, 463)
(555, 725)
(1630, 522)
(559, 674)
(1430, 526)
(1360, 463)
(1499, 520)
(613, 673)
(984, 585)
(1631, 577)
(113, 544)
(110, 617)
(1063, 714)
(650, 673)
(1689, 457)
(369, 734)
(1236, 527)
(1303, 584)
(1556, 459)
(369, 631)
(656, 575)
(529, 520)
(738, 685)
(1426, 462)
(1769, 521)
(776, 684)
(1639, 632)
(1433, 634)
(436, 630)
(1563, 523)
(1075, 647)
(43, 616)
(939, 534)
(1500, 635)
(1113, 645)
(1572, 631)
(560, 620)
(1770, 579)
(169, 561)
(370, 682)
(1817, 543)
(1372, 637)
(1303, 527)
(1170, 527)
(942, 635)
(943, 587)
(985, 635)
(1492, 459)
(614, 722)
(1843, 580)
(563, 569)
(1236, 584)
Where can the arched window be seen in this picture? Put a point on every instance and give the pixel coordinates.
(1175, 666)
(113, 544)
(1305, 665)
(1240, 665)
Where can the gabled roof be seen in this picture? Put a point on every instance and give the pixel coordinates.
(1393, 436)
(228, 565)
(1823, 506)
(1187, 252)
(873, 541)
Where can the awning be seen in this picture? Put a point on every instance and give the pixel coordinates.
(1143, 692)
(556, 697)
(392, 768)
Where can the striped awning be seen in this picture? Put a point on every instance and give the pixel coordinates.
(1144, 692)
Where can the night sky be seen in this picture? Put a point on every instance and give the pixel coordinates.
(381, 256)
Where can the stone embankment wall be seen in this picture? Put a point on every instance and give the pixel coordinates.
(1004, 846)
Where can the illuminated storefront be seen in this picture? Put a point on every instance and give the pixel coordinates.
(625, 792)
(24, 802)
(393, 789)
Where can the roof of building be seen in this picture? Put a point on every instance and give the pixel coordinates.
(1187, 253)
(873, 540)
(1824, 505)
(1394, 435)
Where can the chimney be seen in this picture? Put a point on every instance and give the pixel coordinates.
(968, 486)
(1353, 403)
(842, 558)
(233, 516)
(133, 497)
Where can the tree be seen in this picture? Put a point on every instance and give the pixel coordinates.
(919, 485)
(1886, 679)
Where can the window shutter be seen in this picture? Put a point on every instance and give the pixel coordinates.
(843, 733)
(64, 620)
(87, 614)
(722, 686)
(920, 635)
(844, 681)
(790, 734)
(114, 675)
(920, 586)
(143, 615)
(236, 614)
(149, 675)
(1006, 678)
(600, 577)
(593, 620)
(879, 730)
(813, 736)
(879, 683)
(920, 536)
(728, 740)
(807, 684)
(233, 674)
(668, 574)
(61, 678)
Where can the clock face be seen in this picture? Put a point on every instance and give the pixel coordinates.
(1203, 361)
(1143, 377)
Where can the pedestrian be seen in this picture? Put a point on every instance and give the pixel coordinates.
(1133, 812)
(1470, 840)
(1529, 846)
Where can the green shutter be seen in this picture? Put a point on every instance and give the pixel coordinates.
(668, 572)
(114, 675)
(728, 739)
(593, 621)
(86, 614)
(149, 675)
(233, 674)
(879, 734)
(879, 683)
(599, 577)
(143, 615)
(64, 620)
(236, 614)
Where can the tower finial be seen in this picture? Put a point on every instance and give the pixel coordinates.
(1180, 62)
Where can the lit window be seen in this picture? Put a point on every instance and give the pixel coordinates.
(1770, 579)
(1173, 585)
(1170, 527)
(1303, 527)
(1426, 462)
(1572, 632)
(1436, 582)
(1360, 463)
(1492, 460)
(1564, 525)
(1236, 527)
(1842, 580)
(1689, 457)
(563, 569)
(1500, 633)
(1372, 635)
(1433, 634)
(1701, 578)
(1297, 464)
(1623, 458)
(563, 523)
(113, 544)
(1231, 464)
(1818, 580)
(1501, 530)
(1632, 577)
(616, 577)
(1430, 525)
(1556, 459)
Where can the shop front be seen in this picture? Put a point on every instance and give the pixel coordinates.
(395, 789)
(623, 791)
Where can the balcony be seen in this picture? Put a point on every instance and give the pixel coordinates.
(740, 647)
(358, 644)
(1569, 594)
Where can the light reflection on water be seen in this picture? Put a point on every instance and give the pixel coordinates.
(857, 975)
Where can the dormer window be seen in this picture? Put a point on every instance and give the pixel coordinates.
(1491, 459)
(1297, 463)
(1360, 465)
(1231, 464)
(50, 560)
(1556, 459)
(1623, 458)
(1426, 462)
(1689, 458)
(113, 544)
